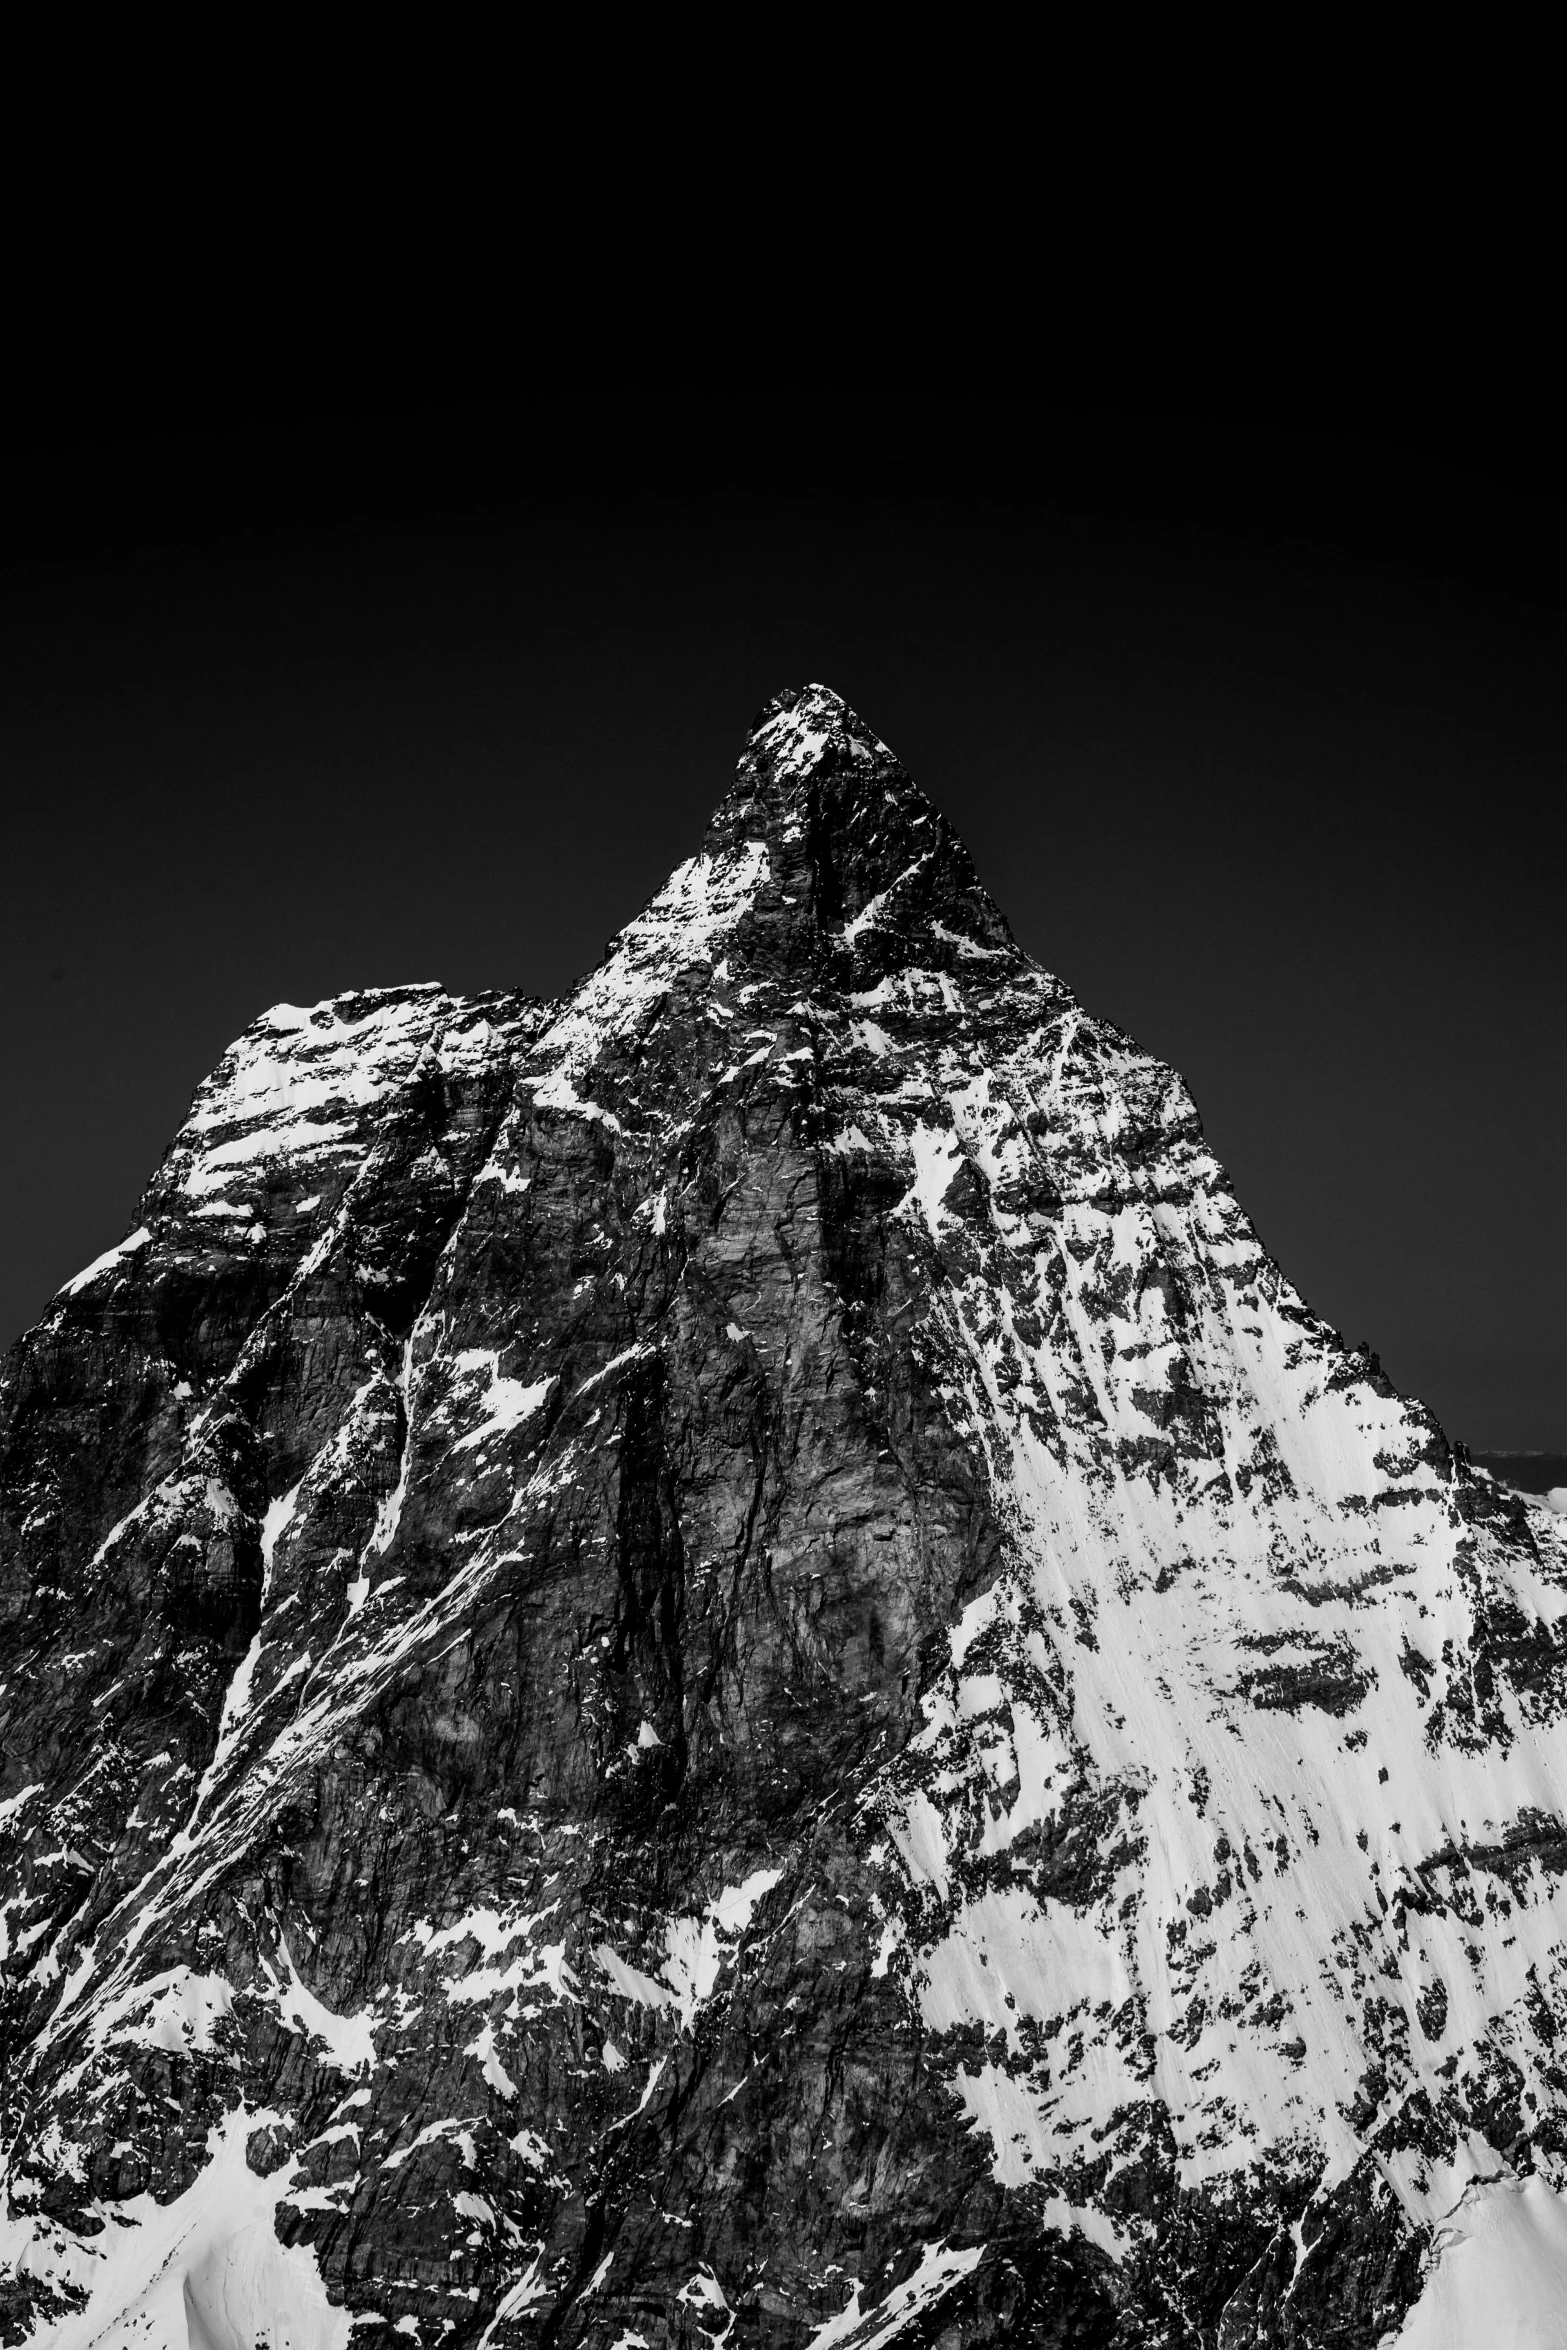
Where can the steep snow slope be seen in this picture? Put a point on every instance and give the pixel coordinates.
(725, 1660)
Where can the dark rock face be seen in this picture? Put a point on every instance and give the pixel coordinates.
(723, 1659)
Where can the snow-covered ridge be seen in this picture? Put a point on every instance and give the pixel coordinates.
(304, 1084)
(291, 1111)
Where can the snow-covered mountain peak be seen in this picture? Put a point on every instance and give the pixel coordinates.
(857, 855)
(723, 1659)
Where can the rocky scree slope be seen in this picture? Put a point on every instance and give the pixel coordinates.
(723, 1662)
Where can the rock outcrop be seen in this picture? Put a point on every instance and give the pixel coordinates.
(722, 1662)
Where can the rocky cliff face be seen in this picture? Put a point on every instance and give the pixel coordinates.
(722, 1662)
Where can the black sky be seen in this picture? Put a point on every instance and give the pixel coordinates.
(1249, 701)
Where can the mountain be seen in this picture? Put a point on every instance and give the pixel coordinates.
(1527, 1472)
(722, 1662)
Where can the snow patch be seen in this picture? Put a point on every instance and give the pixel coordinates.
(857, 2329)
(507, 1403)
(12, 1804)
(349, 2039)
(206, 2270)
(483, 2051)
(1499, 2274)
(128, 1247)
(695, 1952)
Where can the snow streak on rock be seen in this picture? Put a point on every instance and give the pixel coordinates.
(724, 1662)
